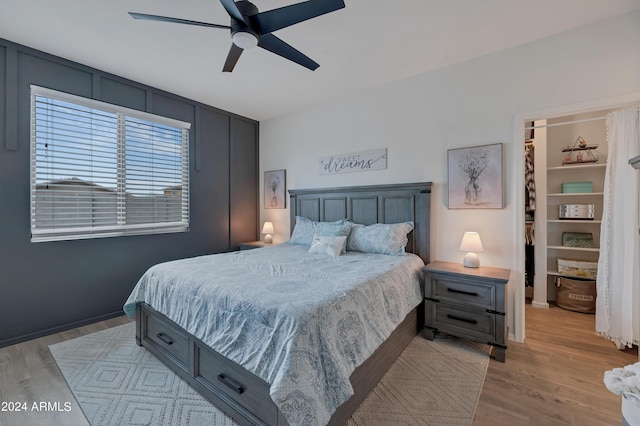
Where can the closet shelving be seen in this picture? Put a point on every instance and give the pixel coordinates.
(556, 175)
(558, 141)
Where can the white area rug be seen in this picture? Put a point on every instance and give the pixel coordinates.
(117, 382)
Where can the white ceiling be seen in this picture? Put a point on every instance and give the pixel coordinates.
(368, 43)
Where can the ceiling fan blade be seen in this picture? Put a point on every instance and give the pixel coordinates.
(276, 19)
(275, 45)
(232, 10)
(175, 20)
(232, 58)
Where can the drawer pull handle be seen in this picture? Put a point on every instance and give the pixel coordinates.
(168, 340)
(470, 321)
(468, 293)
(235, 386)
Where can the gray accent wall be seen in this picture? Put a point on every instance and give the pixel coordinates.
(51, 286)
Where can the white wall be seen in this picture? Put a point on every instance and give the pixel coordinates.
(468, 104)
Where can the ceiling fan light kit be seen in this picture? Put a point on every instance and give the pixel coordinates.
(250, 28)
(244, 40)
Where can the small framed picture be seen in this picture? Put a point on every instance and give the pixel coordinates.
(475, 177)
(275, 186)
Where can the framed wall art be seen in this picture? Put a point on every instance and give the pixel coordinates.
(275, 186)
(475, 177)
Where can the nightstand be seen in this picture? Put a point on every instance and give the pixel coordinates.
(254, 244)
(468, 303)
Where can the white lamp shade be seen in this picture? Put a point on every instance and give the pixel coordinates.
(471, 243)
(267, 228)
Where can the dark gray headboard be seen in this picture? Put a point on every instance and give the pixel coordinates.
(370, 204)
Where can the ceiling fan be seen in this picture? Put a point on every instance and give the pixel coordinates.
(251, 28)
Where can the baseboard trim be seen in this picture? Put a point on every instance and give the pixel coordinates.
(539, 305)
(58, 329)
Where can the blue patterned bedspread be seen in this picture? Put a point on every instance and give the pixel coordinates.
(301, 322)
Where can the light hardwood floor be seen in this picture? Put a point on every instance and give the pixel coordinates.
(554, 378)
(29, 374)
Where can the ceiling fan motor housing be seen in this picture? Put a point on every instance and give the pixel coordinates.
(247, 9)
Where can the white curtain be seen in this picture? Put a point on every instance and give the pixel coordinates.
(618, 282)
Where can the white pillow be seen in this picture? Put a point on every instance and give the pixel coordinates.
(332, 246)
(382, 238)
(305, 229)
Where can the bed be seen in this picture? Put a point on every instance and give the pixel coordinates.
(238, 375)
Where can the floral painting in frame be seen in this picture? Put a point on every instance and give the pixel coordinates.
(274, 189)
(475, 177)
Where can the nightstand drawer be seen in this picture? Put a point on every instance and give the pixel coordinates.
(467, 302)
(461, 290)
(476, 324)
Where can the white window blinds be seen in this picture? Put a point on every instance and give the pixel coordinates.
(101, 170)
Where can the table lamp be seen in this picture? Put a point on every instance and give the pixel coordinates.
(471, 244)
(267, 229)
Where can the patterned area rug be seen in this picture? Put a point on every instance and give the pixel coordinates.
(432, 383)
(117, 382)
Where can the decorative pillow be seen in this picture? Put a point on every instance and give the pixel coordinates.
(385, 238)
(332, 246)
(305, 230)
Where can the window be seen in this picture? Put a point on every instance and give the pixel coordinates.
(100, 170)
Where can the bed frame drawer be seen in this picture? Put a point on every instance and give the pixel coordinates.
(168, 338)
(229, 381)
(236, 391)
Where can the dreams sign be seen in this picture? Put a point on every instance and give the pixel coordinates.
(354, 162)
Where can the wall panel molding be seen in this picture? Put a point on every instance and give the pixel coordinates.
(3, 99)
(195, 153)
(11, 99)
(96, 93)
(149, 101)
(105, 270)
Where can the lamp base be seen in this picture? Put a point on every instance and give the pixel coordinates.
(268, 238)
(471, 260)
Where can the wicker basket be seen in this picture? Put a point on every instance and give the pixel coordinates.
(576, 295)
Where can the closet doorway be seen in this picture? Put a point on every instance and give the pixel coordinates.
(554, 130)
(565, 158)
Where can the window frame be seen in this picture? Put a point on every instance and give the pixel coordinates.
(120, 228)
